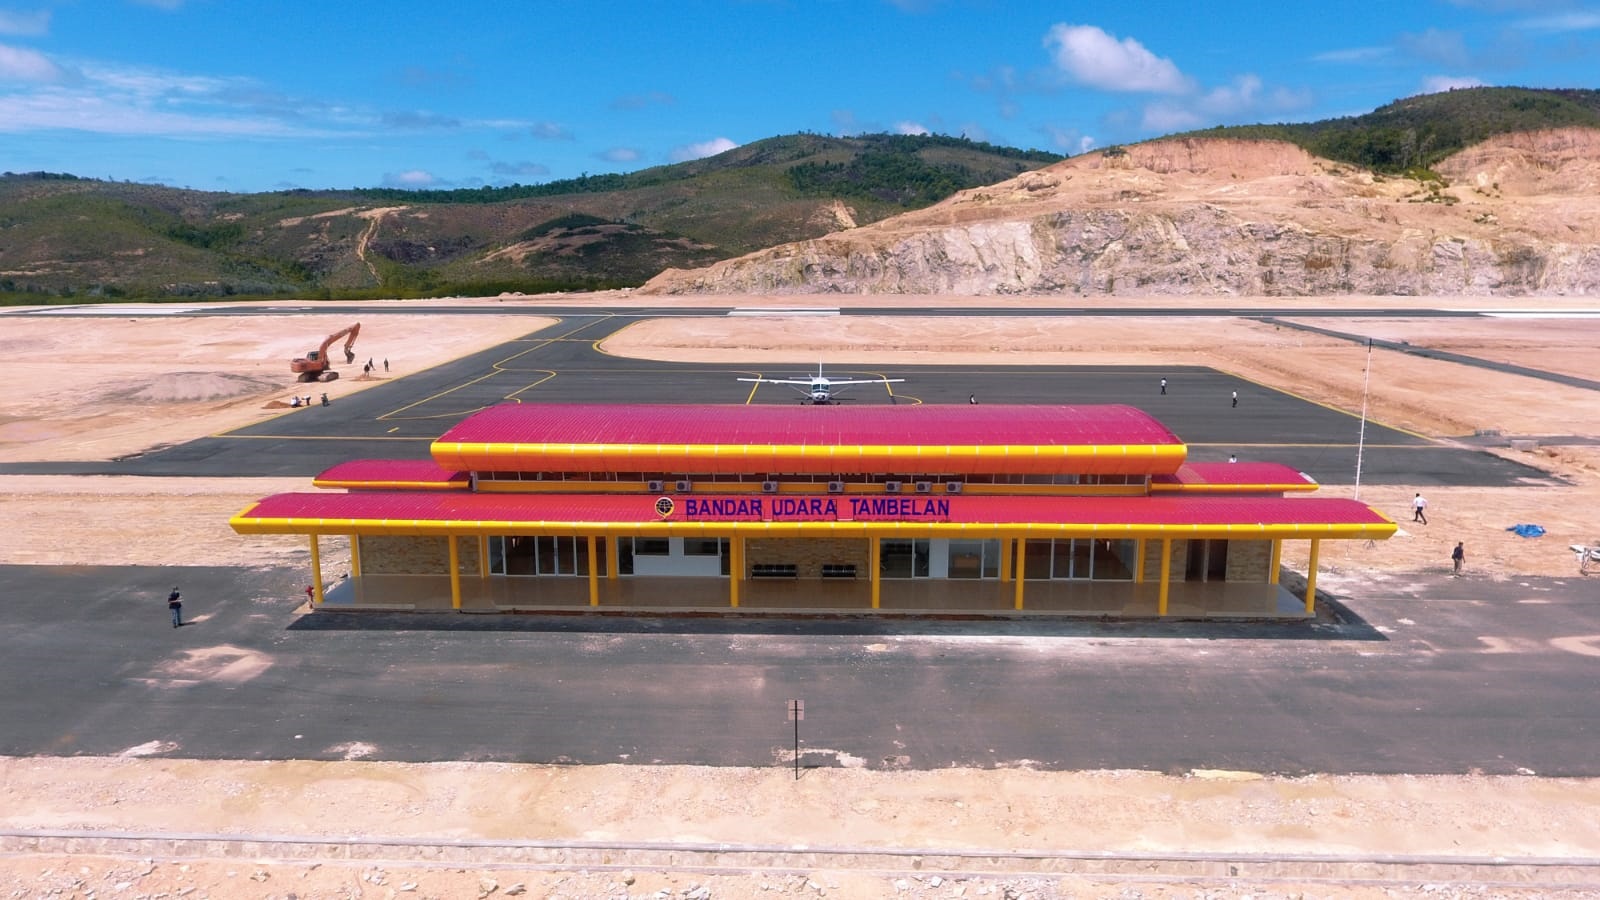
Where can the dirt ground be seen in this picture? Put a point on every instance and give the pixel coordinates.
(115, 386)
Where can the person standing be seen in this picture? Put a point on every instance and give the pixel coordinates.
(1163, 386)
(1419, 507)
(1458, 556)
(175, 603)
(1236, 399)
(386, 363)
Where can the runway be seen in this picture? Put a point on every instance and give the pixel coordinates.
(563, 364)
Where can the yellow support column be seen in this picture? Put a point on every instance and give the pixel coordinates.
(1138, 561)
(1005, 559)
(613, 564)
(355, 556)
(873, 563)
(1022, 569)
(455, 573)
(1275, 561)
(483, 556)
(1166, 575)
(316, 572)
(594, 574)
(735, 569)
(1311, 578)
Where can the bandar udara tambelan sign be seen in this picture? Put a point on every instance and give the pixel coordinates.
(806, 508)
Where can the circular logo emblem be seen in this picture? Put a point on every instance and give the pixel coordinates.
(664, 506)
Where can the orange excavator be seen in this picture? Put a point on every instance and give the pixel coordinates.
(314, 366)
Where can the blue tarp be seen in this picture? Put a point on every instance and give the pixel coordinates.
(1528, 530)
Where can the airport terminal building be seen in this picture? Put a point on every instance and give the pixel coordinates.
(954, 510)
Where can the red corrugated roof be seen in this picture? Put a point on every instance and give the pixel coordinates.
(1179, 515)
(390, 473)
(912, 425)
(961, 439)
(1261, 476)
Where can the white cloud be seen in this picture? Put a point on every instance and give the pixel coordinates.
(1436, 45)
(1228, 104)
(81, 111)
(32, 24)
(1086, 143)
(620, 155)
(1093, 57)
(549, 131)
(1353, 55)
(1169, 117)
(910, 128)
(411, 179)
(1438, 84)
(702, 149)
(21, 64)
(519, 168)
(1562, 22)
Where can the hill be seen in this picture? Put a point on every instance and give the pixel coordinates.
(1418, 132)
(66, 237)
(1515, 215)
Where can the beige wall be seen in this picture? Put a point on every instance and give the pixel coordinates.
(1248, 561)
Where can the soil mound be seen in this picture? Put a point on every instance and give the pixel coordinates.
(1563, 162)
(191, 387)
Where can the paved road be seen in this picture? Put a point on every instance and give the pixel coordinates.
(561, 364)
(1449, 676)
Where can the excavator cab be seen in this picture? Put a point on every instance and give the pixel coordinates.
(314, 366)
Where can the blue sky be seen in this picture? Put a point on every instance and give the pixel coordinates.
(250, 95)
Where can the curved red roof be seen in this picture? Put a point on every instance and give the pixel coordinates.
(420, 474)
(461, 512)
(1242, 477)
(958, 439)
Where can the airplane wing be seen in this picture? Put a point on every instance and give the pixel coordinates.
(831, 382)
(798, 382)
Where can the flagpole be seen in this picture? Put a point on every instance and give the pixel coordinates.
(1361, 440)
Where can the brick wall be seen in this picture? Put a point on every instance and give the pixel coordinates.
(1248, 561)
(389, 555)
(809, 554)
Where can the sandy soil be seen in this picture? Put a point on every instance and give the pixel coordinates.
(111, 392)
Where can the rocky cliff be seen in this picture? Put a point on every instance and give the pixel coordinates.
(1519, 215)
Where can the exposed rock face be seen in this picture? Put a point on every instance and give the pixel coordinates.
(1519, 215)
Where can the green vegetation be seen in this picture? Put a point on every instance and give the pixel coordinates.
(67, 239)
(1419, 131)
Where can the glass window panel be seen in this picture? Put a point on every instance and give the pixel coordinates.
(650, 546)
(702, 546)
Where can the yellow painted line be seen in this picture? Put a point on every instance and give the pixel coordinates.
(314, 437)
(1327, 406)
(1431, 445)
(456, 485)
(1296, 487)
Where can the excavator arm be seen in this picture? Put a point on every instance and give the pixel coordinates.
(314, 366)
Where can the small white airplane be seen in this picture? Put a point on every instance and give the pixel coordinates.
(819, 390)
